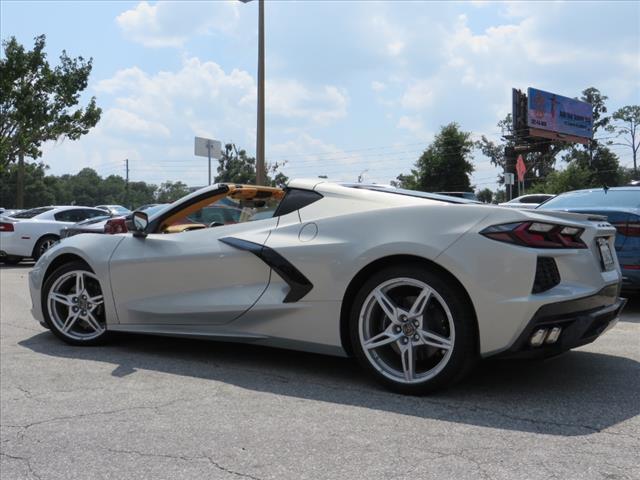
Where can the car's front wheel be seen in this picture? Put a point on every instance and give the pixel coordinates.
(413, 329)
(73, 305)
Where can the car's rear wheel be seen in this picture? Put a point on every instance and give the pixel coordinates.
(44, 244)
(413, 330)
(73, 305)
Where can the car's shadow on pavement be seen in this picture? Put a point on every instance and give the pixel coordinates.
(578, 393)
(632, 308)
(19, 266)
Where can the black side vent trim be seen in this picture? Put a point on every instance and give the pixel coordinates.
(547, 275)
(295, 199)
(299, 285)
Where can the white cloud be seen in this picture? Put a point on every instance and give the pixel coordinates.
(308, 156)
(392, 38)
(378, 86)
(152, 118)
(413, 124)
(395, 48)
(292, 99)
(419, 95)
(170, 24)
(121, 121)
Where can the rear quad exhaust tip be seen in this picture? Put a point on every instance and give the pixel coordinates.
(553, 335)
(537, 338)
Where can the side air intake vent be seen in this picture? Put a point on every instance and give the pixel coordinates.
(547, 275)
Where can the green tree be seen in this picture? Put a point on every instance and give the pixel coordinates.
(445, 165)
(235, 166)
(539, 164)
(84, 188)
(170, 191)
(39, 189)
(625, 126)
(141, 193)
(485, 195)
(599, 108)
(113, 191)
(595, 157)
(601, 163)
(38, 102)
(574, 177)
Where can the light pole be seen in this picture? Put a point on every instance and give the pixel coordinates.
(260, 168)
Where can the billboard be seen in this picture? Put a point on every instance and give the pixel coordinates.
(555, 113)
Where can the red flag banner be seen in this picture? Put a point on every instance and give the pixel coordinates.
(521, 168)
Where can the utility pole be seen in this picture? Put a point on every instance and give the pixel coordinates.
(260, 168)
(126, 191)
(20, 182)
(510, 167)
(209, 152)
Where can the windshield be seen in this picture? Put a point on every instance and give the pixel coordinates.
(152, 209)
(228, 211)
(594, 198)
(31, 213)
(118, 210)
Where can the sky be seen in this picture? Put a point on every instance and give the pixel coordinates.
(352, 88)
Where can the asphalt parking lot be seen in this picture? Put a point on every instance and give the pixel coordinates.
(156, 408)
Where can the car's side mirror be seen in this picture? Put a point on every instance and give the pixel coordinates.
(137, 223)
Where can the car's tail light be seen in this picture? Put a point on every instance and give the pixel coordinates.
(628, 229)
(115, 225)
(536, 235)
(6, 227)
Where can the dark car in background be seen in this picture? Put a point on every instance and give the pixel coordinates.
(621, 206)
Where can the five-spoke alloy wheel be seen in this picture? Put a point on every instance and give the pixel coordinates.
(412, 329)
(73, 305)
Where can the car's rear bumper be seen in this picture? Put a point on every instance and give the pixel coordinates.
(581, 321)
(13, 243)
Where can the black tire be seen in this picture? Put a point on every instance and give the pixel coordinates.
(11, 259)
(76, 336)
(459, 358)
(43, 244)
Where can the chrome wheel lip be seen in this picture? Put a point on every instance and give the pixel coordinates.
(80, 306)
(375, 360)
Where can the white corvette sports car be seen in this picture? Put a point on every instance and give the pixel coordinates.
(416, 286)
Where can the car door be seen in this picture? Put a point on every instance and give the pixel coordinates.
(189, 278)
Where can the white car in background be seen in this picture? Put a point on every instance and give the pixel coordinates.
(32, 232)
(531, 200)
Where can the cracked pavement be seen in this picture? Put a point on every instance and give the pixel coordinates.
(154, 407)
